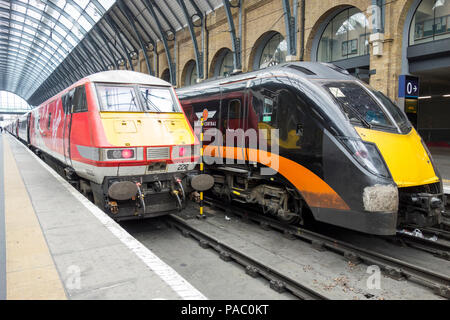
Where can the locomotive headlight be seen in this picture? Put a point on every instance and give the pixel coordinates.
(367, 155)
(121, 154)
(181, 151)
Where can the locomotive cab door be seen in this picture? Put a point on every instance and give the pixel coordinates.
(67, 107)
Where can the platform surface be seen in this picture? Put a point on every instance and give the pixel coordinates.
(55, 244)
(441, 157)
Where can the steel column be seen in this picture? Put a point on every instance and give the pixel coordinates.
(198, 54)
(235, 41)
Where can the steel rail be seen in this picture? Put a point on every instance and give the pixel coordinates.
(278, 281)
(393, 267)
(437, 248)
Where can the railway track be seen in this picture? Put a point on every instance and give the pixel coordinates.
(439, 247)
(393, 267)
(278, 281)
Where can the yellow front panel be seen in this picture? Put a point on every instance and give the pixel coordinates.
(405, 156)
(146, 129)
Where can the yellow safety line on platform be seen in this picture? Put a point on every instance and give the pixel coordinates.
(30, 270)
(446, 181)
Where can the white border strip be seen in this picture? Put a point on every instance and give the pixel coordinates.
(178, 284)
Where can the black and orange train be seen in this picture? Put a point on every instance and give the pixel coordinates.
(347, 155)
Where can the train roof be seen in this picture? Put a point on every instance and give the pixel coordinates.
(306, 70)
(126, 76)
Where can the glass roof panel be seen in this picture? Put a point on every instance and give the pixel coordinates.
(45, 31)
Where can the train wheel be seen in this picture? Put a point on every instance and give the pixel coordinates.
(291, 219)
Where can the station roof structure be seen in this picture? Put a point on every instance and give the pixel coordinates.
(46, 45)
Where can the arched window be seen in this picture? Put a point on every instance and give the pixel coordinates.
(431, 22)
(274, 51)
(190, 73)
(346, 36)
(166, 75)
(224, 63)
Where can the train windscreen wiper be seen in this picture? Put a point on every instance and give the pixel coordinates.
(358, 115)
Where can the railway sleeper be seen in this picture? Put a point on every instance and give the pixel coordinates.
(352, 257)
(278, 286)
(252, 271)
(225, 256)
(394, 273)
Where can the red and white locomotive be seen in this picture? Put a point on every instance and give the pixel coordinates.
(121, 137)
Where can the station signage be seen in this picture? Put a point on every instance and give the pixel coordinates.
(408, 87)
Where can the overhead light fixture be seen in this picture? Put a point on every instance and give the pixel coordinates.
(446, 95)
(170, 36)
(425, 97)
(196, 20)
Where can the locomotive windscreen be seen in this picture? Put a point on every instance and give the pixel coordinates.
(123, 98)
(158, 100)
(369, 107)
(118, 98)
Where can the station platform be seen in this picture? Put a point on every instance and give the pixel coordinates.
(441, 157)
(55, 244)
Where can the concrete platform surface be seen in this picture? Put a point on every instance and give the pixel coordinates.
(441, 157)
(59, 245)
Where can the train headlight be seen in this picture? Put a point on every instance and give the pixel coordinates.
(181, 152)
(367, 155)
(120, 154)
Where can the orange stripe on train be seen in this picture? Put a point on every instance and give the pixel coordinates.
(315, 191)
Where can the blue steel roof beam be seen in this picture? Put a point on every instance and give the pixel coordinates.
(22, 59)
(114, 26)
(107, 43)
(122, 25)
(11, 73)
(173, 13)
(88, 36)
(35, 58)
(53, 87)
(148, 25)
(74, 65)
(82, 63)
(43, 14)
(99, 50)
(235, 41)
(198, 54)
(71, 67)
(126, 11)
(47, 16)
(197, 9)
(83, 54)
(29, 42)
(81, 60)
(59, 85)
(93, 56)
(66, 71)
(68, 16)
(110, 36)
(62, 78)
(9, 25)
(37, 31)
(161, 13)
(173, 78)
(139, 24)
(99, 6)
(209, 5)
(290, 22)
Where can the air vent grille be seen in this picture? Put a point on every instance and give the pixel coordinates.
(158, 153)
